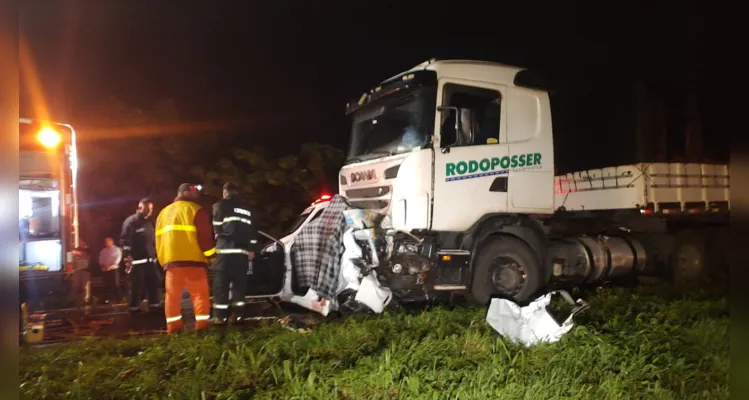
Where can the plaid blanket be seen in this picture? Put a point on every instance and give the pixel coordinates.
(318, 249)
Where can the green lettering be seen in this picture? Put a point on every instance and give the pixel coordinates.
(504, 162)
(521, 160)
(536, 158)
(495, 162)
(462, 167)
(484, 165)
(529, 159)
(473, 166)
(514, 162)
(449, 169)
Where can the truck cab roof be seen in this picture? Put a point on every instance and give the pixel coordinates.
(478, 70)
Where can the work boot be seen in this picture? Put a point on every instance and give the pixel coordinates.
(218, 321)
(236, 320)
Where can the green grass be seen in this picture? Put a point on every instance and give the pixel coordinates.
(652, 342)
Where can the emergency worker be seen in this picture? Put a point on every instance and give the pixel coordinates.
(138, 244)
(234, 224)
(184, 246)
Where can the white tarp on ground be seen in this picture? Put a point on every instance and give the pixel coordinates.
(531, 324)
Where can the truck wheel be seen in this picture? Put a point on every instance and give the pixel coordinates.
(689, 260)
(506, 267)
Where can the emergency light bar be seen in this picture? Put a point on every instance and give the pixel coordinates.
(325, 197)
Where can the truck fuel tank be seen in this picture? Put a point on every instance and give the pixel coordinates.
(585, 259)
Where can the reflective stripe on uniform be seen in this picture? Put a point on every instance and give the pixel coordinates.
(239, 219)
(239, 304)
(183, 228)
(173, 319)
(126, 247)
(232, 251)
(142, 261)
(242, 211)
(217, 223)
(221, 306)
(202, 317)
(210, 252)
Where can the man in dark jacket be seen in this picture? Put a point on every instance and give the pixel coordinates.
(234, 225)
(138, 243)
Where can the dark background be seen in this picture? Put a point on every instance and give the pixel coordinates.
(629, 81)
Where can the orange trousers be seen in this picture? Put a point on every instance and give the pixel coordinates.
(196, 281)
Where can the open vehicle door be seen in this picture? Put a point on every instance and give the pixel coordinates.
(268, 270)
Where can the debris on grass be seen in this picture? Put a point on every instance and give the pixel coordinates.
(537, 322)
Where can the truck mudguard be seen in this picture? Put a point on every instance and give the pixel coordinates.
(522, 227)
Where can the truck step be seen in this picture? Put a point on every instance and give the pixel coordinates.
(450, 287)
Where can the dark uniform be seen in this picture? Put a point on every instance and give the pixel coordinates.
(138, 242)
(234, 224)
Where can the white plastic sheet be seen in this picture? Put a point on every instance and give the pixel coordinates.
(313, 302)
(372, 294)
(531, 324)
(350, 274)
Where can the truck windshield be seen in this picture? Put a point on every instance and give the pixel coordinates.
(394, 124)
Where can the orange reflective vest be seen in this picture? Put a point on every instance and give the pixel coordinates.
(184, 235)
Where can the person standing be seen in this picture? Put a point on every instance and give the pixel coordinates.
(236, 243)
(138, 243)
(109, 263)
(184, 247)
(80, 291)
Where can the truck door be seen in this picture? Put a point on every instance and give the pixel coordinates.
(470, 165)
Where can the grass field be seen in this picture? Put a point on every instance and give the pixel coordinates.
(631, 343)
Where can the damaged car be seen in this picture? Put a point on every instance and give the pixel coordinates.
(336, 257)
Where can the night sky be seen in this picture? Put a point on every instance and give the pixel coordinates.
(293, 65)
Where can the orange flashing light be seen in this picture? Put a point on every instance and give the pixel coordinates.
(446, 258)
(48, 137)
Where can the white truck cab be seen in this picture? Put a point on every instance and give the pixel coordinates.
(502, 138)
(459, 155)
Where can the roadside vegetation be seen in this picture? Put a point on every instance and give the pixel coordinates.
(650, 342)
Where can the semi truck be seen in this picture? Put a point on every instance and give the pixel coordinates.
(48, 207)
(458, 156)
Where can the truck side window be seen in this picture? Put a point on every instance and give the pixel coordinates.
(485, 108)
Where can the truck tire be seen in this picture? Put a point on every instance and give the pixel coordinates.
(506, 267)
(689, 260)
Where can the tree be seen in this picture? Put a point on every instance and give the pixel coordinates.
(277, 186)
(127, 153)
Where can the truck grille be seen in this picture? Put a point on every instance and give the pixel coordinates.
(372, 198)
(368, 192)
(369, 204)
